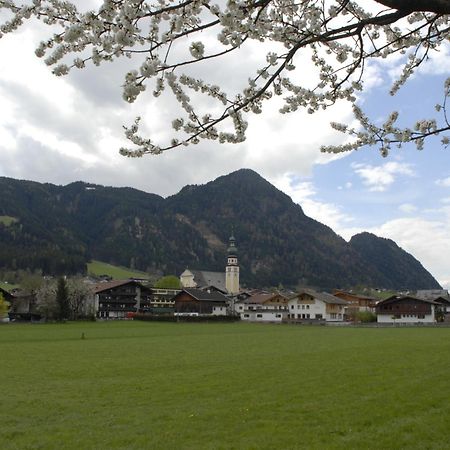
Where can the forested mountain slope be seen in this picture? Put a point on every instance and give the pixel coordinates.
(59, 228)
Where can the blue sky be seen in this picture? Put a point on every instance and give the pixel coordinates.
(61, 130)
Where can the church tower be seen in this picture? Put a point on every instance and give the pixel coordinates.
(232, 269)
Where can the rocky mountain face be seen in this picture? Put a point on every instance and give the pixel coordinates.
(59, 228)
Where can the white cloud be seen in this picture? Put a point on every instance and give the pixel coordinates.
(428, 241)
(304, 194)
(380, 178)
(445, 182)
(407, 208)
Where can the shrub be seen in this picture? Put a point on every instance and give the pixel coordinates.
(365, 316)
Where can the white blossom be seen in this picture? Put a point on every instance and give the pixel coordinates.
(339, 37)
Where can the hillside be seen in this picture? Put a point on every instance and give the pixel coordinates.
(60, 228)
(391, 261)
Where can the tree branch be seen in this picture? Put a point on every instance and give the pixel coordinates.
(435, 6)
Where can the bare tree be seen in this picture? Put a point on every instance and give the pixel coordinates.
(169, 39)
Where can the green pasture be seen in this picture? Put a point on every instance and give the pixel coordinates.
(144, 385)
(8, 220)
(98, 268)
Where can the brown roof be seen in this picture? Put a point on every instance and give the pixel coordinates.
(323, 296)
(204, 295)
(262, 298)
(105, 285)
(395, 298)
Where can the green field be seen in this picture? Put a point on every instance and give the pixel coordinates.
(116, 272)
(143, 385)
(8, 220)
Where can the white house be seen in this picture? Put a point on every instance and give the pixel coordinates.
(406, 309)
(263, 307)
(311, 305)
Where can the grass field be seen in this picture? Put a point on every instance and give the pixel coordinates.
(116, 272)
(134, 385)
(8, 220)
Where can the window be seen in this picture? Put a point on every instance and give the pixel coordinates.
(277, 315)
(307, 316)
(292, 306)
(318, 316)
(421, 316)
(307, 306)
(259, 316)
(246, 315)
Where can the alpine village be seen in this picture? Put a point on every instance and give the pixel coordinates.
(289, 269)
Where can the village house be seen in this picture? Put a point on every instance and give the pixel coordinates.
(320, 306)
(22, 305)
(262, 307)
(162, 300)
(406, 309)
(191, 301)
(440, 296)
(356, 303)
(118, 299)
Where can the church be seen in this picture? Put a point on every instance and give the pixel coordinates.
(226, 282)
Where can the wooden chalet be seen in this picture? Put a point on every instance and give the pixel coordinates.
(22, 306)
(356, 302)
(191, 301)
(117, 299)
(406, 309)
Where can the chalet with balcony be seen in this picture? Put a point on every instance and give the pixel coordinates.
(191, 301)
(118, 299)
(308, 305)
(355, 303)
(262, 307)
(406, 309)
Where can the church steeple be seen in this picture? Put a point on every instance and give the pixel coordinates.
(232, 269)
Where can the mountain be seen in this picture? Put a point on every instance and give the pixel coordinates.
(391, 261)
(59, 228)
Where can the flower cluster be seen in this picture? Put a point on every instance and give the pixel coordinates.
(339, 36)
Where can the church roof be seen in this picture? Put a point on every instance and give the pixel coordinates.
(187, 273)
(205, 278)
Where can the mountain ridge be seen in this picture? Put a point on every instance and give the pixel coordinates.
(64, 226)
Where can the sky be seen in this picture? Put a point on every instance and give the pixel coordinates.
(65, 129)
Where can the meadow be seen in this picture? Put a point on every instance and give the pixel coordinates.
(144, 385)
(98, 268)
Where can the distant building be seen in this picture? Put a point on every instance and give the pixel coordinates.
(232, 269)
(406, 309)
(191, 301)
(262, 307)
(117, 299)
(226, 282)
(311, 305)
(22, 306)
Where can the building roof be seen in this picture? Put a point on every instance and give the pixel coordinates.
(261, 298)
(6, 294)
(206, 278)
(431, 293)
(187, 273)
(322, 296)
(106, 285)
(204, 295)
(396, 298)
(351, 294)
